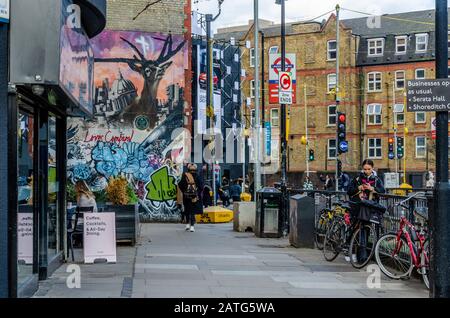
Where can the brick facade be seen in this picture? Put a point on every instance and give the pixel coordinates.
(309, 43)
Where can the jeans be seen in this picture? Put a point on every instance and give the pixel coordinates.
(190, 219)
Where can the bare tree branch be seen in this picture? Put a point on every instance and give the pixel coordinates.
(146, 7)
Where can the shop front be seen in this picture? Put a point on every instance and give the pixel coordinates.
(51, 77)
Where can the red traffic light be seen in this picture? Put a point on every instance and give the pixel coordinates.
(342, 118)
(391, 140)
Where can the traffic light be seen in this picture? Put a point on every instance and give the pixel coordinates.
(400, 147)
(391, 149)
(342, 133)
(311, 155)
(339, 167)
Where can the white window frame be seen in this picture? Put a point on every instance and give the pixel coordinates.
(376, 47)
(252, 88)
(397, 80)
(329, 86)
(421, 121)
(421, 147)
(422, 43)
(375, 148)
(397, 45)
(424, 74)
(373, 113)
(252, 57)
(399, 109)
(329, 148)
(329, 51)
(273, 49)
(332, 115)
(273, 118)
(374, 82)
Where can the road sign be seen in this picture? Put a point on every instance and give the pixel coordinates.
(4, 11)
(274, 72)
(343, 146)
(285, 93)
(428, 95)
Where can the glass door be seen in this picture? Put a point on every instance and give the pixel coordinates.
(26, 198)
(53, 219)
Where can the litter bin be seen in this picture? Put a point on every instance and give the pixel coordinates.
(268, 218)
(302, 221)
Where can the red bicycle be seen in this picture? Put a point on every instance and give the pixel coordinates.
(399, 253)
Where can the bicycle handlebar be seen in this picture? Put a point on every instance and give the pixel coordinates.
(401, 203)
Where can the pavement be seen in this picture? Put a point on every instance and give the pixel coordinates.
(216, 262)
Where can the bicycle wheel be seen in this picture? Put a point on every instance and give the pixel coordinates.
(362, 246)
(334, 239)
(393, 263)
(321, 228)
(425, 263)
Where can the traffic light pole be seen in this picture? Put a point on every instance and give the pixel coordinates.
(440, 218)
(306, 134)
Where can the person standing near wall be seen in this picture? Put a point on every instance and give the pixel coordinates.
(191, 187)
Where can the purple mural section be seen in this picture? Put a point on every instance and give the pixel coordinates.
(138, 109)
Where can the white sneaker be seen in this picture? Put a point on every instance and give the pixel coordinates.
(188, 226)
(347, 259)
(354, 258)
(192, 229)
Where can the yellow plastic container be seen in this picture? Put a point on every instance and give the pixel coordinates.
(215, 214)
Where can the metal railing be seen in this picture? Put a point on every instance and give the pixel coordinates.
(326, 199)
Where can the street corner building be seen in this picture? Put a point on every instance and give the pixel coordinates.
(51, 76)
(93, 95)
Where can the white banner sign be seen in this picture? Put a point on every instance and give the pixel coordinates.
(25, 237)
(100, 237)
(4, 11)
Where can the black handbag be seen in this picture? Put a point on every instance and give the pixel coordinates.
(371, 211)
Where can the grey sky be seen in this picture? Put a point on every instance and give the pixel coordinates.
(236, 12)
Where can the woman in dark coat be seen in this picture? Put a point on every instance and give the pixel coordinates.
(366, 185)
(192, 206)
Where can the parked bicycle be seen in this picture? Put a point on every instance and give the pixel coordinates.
(324, 221)
(397, 254)
(356, 238)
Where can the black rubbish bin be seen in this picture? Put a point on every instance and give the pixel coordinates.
(302, 221)
(268, 209)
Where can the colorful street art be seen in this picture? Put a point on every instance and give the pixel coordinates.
(138, 104)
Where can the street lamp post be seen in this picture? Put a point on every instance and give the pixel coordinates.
(210, 92)
(283, 124)
(440, 218)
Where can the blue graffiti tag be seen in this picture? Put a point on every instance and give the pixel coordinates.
(112, 160)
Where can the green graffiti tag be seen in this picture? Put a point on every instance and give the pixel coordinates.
(162, 186)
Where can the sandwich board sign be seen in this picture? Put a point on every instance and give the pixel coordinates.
(99, 237)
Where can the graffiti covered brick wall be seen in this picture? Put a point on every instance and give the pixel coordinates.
(138, 112)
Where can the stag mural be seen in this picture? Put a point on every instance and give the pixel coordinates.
(152, 71)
